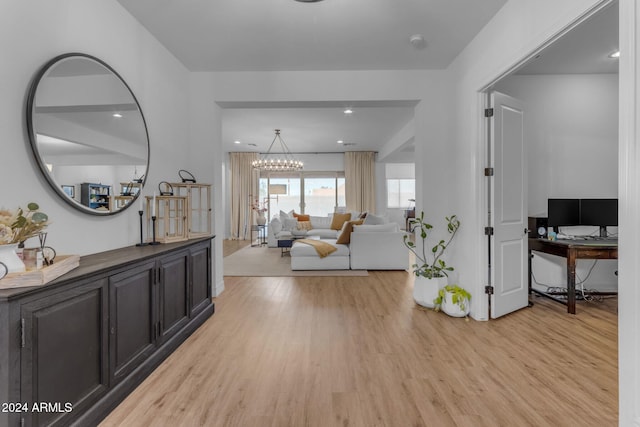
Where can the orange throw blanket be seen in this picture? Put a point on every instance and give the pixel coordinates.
(323, 249)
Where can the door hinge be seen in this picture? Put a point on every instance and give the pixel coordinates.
(488, 171)
(488, 231)
(488, 112)
(22, 334)
(488, 290)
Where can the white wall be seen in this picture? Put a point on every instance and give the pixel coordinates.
(33, 32)
(571, 133)
(205, 158)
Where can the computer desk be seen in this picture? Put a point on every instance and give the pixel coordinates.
(572, 250)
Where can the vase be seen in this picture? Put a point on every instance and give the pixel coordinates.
(425, 290)
(9, 257)
(452, 309)
(261, 219)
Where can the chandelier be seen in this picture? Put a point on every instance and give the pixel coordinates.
(271, 162)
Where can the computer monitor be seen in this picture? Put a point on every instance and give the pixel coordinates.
(563, 212)
(599, 212)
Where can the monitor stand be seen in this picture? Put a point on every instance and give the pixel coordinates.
(603, 231)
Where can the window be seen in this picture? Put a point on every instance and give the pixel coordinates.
(284, 195)
(399, 191)
(311, 193)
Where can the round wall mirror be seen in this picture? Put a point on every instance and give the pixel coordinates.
(88, 134)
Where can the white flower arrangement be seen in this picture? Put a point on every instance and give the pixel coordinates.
(18, 226)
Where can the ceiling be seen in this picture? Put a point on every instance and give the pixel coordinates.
(278, 35)
(583, 50)
(316, 127)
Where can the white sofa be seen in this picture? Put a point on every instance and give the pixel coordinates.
(279, 229)
(377, 247)
(371, 247)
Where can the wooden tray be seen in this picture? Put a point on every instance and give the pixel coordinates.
(62, 265)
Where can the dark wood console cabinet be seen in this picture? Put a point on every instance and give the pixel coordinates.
(77, 346)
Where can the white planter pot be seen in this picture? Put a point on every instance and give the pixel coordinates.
(452, 309)
(9, 258)
(426, 290)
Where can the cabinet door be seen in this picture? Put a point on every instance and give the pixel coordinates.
(64, 359)
(200, 278)
(174, 294)
(131, 324)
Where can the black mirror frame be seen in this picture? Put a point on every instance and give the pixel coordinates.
(34, 146)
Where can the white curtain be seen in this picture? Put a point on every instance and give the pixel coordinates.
(360, 182)
(244, 190)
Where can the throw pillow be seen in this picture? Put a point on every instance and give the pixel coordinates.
(303, 225)
(290, 224)
(284, 215)
(302, 217)
(372, 219)
(276, 226)
(338, 220)
(347, 228)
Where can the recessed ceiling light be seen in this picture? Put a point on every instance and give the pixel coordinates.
(117, 115)
(340, 141)
(236, 142)
(348, 111)
(615, 54)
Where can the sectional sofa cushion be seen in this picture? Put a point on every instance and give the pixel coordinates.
(301, 250)
(391, 226)
(320, 222)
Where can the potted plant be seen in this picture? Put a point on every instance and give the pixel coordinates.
(453, 300)
(430, 269)
(260, 208)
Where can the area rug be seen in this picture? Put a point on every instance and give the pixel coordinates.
(268, 262)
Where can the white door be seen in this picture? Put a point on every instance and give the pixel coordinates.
(509, 207)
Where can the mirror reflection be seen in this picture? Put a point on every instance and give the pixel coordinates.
(88, 134)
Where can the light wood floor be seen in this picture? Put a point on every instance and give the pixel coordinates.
(305, 351)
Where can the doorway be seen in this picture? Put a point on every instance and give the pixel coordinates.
(570, 94)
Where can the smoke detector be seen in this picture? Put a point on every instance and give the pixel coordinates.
(418, 41)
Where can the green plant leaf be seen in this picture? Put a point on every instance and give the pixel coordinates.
(33, 206)
(39, 217)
